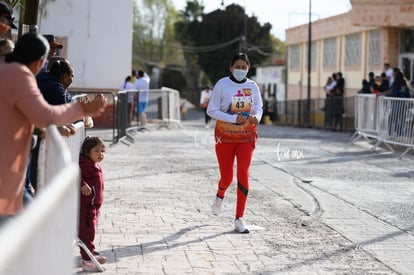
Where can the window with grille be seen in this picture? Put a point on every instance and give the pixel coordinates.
(329, 52)
(374, 47)
(313, 54)
(407, 41)
(353, 49)
(294, 57)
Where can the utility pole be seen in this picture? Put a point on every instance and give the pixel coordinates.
(308, 103)
(29, 13)
(245, 31)
(244, 36)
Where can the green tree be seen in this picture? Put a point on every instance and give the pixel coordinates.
(211, 42)
(184, 30)
(278, 46)
(153, 35)
(233, 31)
(29, 11)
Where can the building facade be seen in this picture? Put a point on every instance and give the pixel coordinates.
(372, 33)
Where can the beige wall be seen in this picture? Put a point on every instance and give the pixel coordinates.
(339, 26)
(397, 13)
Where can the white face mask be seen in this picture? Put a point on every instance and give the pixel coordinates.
(239, 75)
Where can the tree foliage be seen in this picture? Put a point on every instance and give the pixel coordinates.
(21, 4)
(219, 35)
(153, 34)
(30, 11)
(184, 30)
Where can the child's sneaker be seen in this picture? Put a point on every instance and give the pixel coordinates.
(240, 226)
(89, 266)
(101, 259)
(216, 208)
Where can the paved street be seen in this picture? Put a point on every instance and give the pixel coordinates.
(316, 205)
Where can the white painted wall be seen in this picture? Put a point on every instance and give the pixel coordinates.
(99, 39)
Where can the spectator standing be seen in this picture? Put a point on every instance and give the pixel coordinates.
(236, 104)
(385, 82)
(365, 89)
(378, 85)
(338, 109)
(331, 83)
(330, 89)
(327, 86)
(340, 84)
(371, 80)
(22, 106)
(399, 88)
(388, 73)
(54, 46)
(91, 197)
(128, 84)
(53, 83)
(6, 18)
(51, 91)
(142, 85)
(133, 75)
(6, 23)
(183, 108)
(204, 98)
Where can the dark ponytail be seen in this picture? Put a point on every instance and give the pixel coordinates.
(29, 47)
(59, 66)
(127, 79)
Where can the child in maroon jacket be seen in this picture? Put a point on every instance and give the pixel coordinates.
(91, 197)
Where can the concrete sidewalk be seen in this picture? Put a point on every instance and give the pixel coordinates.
(156, 217)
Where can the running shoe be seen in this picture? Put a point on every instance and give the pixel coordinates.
(240, 226)
(216, 208)
(89, 266)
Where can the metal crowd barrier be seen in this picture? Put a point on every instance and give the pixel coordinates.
(39, 240)
(317, 113)
(396, 122)
(163, 110)
(47, 169)
(106, 125)
(388, 120)
(366, 119)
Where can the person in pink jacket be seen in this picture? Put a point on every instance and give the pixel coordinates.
(22, 106)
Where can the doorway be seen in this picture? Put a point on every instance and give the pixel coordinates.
(406, 63)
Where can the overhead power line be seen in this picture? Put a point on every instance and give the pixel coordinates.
(202, 49)
(210, 48)
(252, 48)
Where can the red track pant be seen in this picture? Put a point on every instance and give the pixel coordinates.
(226, 153)
(88, 220)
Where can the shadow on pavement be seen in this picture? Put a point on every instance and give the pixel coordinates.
(166, 243)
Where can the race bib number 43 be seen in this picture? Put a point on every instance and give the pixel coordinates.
(240, 104)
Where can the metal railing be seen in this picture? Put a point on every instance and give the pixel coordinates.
(396, 122)
(39, 240)
(46, 168)
(388, 120)
(106, 125)
(335, 113)
(366, 119)
(162, 110)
